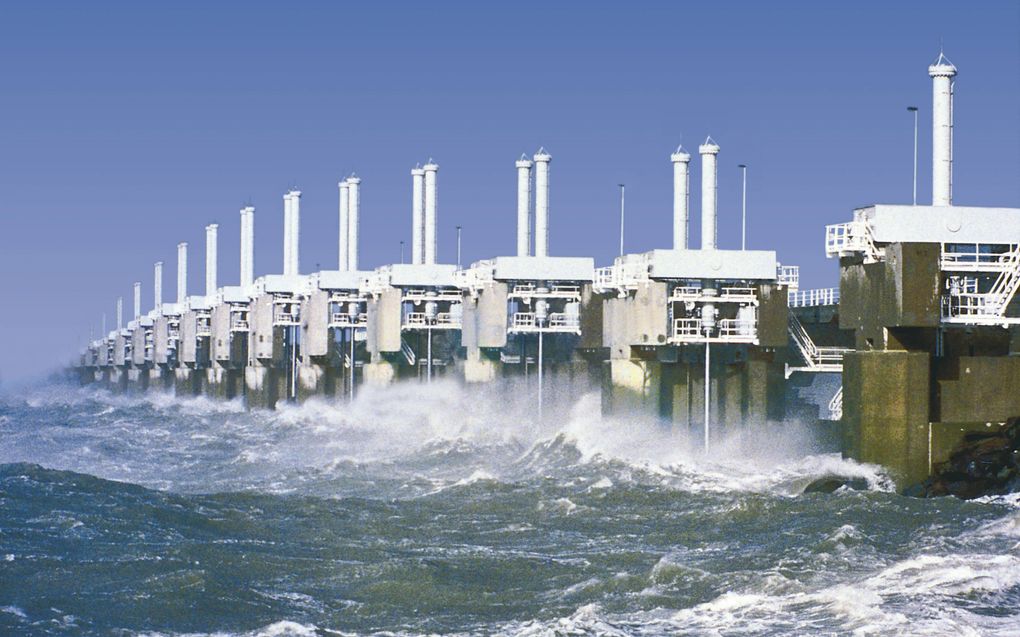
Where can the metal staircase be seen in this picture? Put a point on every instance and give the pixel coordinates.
(836, 405)
(1006, 284)
(963, 303)
(408, 353)
(816, 359)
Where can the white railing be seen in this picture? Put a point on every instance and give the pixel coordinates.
(556, 322)
(283, 317)
(854, 237)
(343, 319)
(690, 330)
(418, 294)
(978, 259)
(475, 277)
(965, 305)
(737, 294)
(443, 320)
(814, 298)
(554, 291)
(621, 276)
(788, 275)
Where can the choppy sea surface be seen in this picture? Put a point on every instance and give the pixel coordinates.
(445, 510)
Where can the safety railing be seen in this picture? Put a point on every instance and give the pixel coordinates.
(343, 319)
(442, 320)
(977, 257)
(555, 322)
(788, 275)
(725, 331)
(854, 237)
(814, 298)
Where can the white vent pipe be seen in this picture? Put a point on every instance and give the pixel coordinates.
(542, 160)
(431, 196)
(417, 215)
(345, 207)
(157, 286)
(942, 73)
(681, 198)
(523, 206)
(247, 246)
(295, 232)
(709, 194)
(353, 221)
(120, 313)
(138, 300)
(182, 272)
(210, 259)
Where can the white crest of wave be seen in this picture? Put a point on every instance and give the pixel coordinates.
(440, 429)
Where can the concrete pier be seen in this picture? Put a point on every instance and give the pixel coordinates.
(664, 308)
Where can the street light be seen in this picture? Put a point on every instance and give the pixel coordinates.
(743, 207)
(622, 191)
(913, 109)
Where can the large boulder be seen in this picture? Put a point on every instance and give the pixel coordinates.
(982, 464)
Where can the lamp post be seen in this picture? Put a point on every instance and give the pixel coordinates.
(743, 207)
(623, 190)
(913, 109)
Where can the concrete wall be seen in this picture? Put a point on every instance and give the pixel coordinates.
(885, 411)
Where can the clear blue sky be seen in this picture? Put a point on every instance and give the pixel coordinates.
(126, 127)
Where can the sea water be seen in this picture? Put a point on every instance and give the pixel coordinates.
(448, 510)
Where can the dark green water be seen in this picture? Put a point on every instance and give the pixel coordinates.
(442, 511)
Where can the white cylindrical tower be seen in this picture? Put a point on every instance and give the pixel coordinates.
(182, 272)
(709, 194)
(120, 313)
(210, 259)
(942, 73)
(681, 198)
(353, 221)
(523, 206)
(542, 160)
(287, 229)
(295, 232)
(138, 300)
(345, 208)
(431, 202)
(417, 215)
(247, 246)
(157, 285)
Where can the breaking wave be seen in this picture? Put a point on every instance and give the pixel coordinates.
(450, 510)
